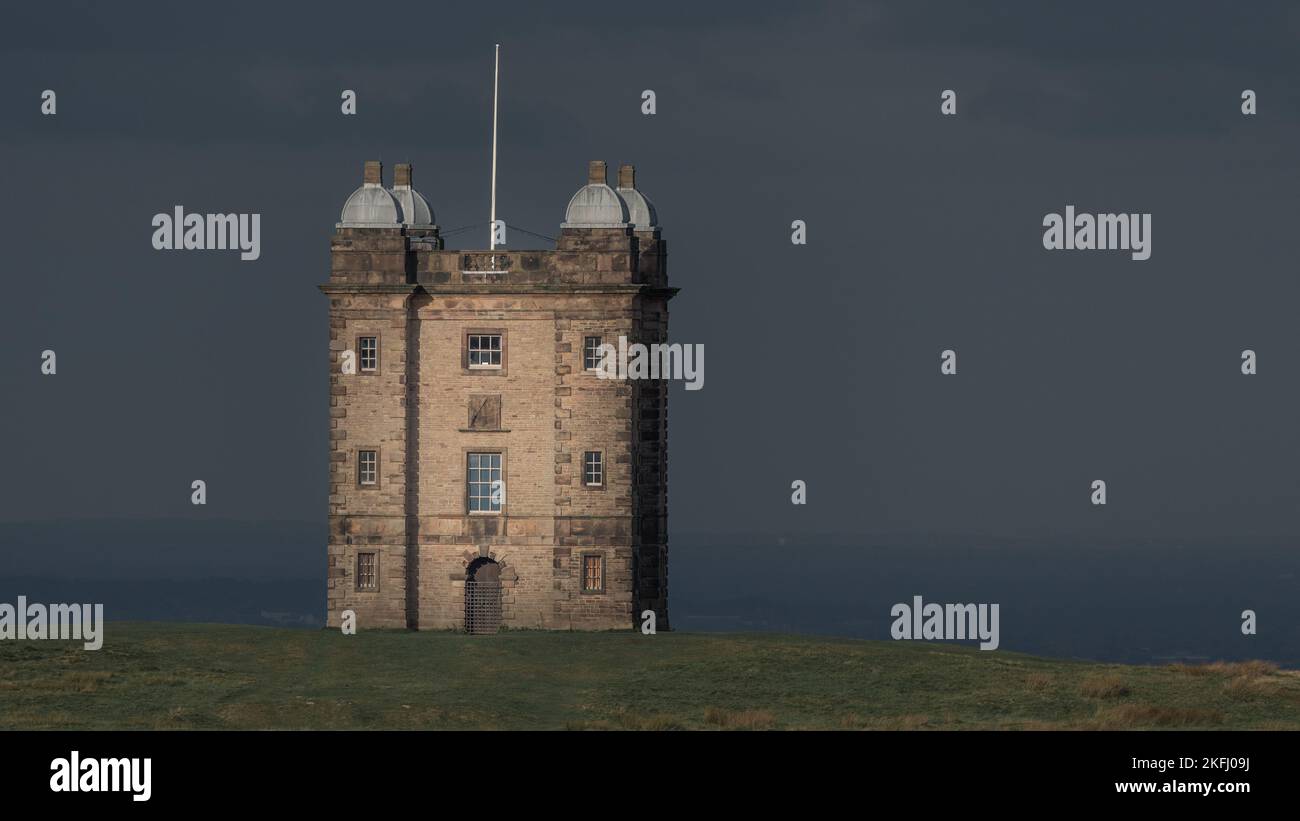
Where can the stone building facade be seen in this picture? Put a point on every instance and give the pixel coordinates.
(482, 475)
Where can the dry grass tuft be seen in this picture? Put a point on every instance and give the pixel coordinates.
(853, 721)
(1247, 687)
(1103, 686)
(1251, 669)
(1139, 716)
(906, 722)
(175, 718)
(1038, 682)
(1038, 725)
(739, 719)
(626, 720)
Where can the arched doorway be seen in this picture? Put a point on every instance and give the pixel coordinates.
(483, 597)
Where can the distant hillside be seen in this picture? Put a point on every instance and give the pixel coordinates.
(1130, 603)
(138, 549)
(239, 677)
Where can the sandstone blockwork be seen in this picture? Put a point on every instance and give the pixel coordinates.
(470, 362)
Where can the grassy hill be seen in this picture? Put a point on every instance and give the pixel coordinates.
(239, 677)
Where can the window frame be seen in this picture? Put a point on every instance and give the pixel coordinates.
(500, 453)
(500, 370)
(582, 573)
(374, 572)
(599, 340)
(358, 452)
(361, 368)
(600, 454)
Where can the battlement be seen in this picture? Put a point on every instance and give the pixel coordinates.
(390, 256)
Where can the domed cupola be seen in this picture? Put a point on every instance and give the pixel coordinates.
(371, 205)
(415, 210)
(640, 210)
(596, 205)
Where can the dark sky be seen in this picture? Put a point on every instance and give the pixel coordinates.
(822, 361)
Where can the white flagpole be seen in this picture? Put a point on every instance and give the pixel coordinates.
(492, 226)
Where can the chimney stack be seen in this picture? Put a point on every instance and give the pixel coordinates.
(374, 172)
(627, 175)
(402, 174)
(596, 173)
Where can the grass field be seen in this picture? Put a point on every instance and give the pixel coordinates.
(199, 676)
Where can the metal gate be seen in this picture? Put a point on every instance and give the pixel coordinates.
(483, 599)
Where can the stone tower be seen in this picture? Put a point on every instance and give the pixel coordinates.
(482, 474)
